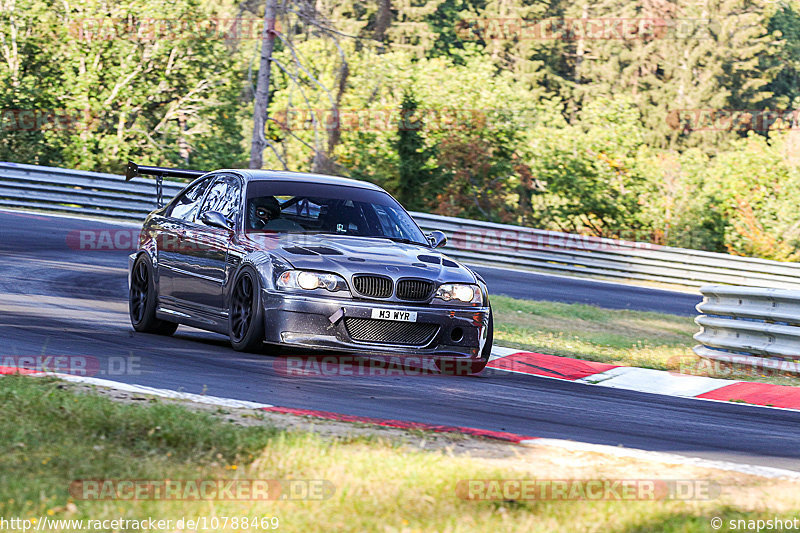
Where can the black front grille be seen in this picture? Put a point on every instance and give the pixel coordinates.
(414, 289)
(389, 331)
(373, 286)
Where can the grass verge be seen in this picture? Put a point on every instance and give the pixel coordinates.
(632, 338)
(53, 435)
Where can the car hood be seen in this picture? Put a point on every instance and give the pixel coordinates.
(348, 255)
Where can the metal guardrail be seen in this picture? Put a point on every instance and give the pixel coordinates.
(748, 325)
(500, 245)
(513, 246)
(79, 191)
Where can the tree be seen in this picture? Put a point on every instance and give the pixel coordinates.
(413, 158)
(785, 22)
(592, 173)
(712, 55)
(261, 104)
(299, 17)
(140, 79)
(478, 179)
(757, 187)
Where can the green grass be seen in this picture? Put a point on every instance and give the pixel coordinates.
(52, 435)
(632, 338)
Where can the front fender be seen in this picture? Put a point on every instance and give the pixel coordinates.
(267, 265)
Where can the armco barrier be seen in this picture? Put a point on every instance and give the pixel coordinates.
(500, 245)
(748, 325)
(79, 191)
(517, 247)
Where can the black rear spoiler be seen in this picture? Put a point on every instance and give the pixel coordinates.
(134, 170)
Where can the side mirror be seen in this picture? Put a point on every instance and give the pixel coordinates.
(437, 239)
(215, 219)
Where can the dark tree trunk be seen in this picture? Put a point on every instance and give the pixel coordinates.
(262, 86)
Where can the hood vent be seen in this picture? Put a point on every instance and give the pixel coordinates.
(299, 251)
(312, 250)
(324, 250)
(432, 259)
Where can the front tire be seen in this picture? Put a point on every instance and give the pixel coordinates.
(143, 299)
(246, 315)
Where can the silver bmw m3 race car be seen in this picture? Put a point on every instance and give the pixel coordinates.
(275, 258)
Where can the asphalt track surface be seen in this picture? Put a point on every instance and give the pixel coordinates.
(58, 300)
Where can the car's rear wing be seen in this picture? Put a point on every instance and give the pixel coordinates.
(134, 170)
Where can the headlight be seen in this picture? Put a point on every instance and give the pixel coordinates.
(460, 293)
(304, 279)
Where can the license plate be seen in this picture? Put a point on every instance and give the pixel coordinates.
(394, 314)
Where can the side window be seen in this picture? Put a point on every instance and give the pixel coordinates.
(223, 196)
(188, 203)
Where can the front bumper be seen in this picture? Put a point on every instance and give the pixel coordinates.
(305, 321)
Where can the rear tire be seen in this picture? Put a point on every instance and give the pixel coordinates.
(460, 367)
(143, 300)
(246, 315)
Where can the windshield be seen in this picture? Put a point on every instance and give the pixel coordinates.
(292, 207)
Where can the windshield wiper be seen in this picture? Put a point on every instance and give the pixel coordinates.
(402, 240)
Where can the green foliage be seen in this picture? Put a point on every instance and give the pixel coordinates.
(786, 22)
(141, 90)
(758, 184)
(566, 132)
(446, 21)
(679, 208)
(592, 171)
(477, 172)
(414, 171)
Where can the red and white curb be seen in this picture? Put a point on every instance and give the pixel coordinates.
(525, 440)
(645, 380)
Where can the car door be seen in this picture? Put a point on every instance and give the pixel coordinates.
(172, 231)
(205, 247)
